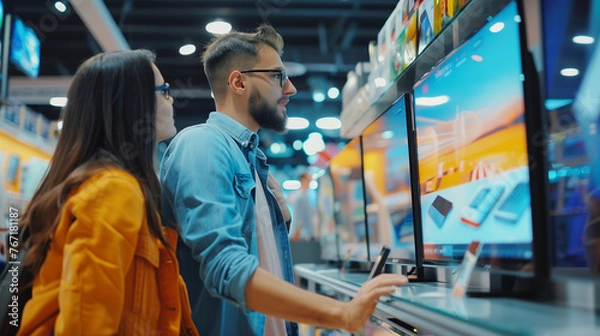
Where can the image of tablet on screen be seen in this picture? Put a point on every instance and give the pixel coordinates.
(439, 210)
(515, 204)
(478, 209)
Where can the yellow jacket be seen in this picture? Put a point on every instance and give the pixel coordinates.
(105, 274)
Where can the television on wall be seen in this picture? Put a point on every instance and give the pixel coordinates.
(25, 49)
(477, 178)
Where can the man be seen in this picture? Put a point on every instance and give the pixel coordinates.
(303, 223)
(234, 253)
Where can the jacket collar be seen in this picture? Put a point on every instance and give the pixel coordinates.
(245, 137)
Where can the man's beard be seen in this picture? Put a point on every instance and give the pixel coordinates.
(265, 115)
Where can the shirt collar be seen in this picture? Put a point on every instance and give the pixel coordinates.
(245, 137)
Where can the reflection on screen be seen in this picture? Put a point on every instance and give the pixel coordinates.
(326, 216)
(472, 149)
(346, 174)
(25, 49)
(387, 184)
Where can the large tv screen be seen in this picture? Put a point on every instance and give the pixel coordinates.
(349, 207)
(326, 216)
(25, 49)
(388, 185)
(472, 150)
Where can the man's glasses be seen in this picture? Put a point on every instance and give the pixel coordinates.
(164, 90)
(283, 78)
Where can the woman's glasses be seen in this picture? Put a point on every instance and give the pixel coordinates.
(164, 90)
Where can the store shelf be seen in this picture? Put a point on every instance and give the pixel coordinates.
(471, 18)
(30, 139)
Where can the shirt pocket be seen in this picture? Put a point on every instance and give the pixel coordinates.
(243, 184)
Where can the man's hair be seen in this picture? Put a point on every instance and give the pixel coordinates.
(236, 50)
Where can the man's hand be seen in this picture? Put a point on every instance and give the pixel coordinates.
(278, 193)
(359, 310)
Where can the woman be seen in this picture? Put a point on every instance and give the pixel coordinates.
(97, 254)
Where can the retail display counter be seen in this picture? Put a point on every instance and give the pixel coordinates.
(429, 309)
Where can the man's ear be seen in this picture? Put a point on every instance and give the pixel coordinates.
(237, 82)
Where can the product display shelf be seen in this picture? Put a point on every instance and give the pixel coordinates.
(472, 17)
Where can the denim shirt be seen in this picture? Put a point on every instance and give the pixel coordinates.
(208, 190)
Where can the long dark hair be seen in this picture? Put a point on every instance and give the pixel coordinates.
(109, 122)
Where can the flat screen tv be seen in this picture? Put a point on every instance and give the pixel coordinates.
(349, 206)
(388, 185)
(571, 36)
(477, 163)
(327, 232)
(25, 49)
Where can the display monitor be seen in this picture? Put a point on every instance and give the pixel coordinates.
(570, 40)
(349, 206)
(327, 232)
(388, 185)
(25, 49)
(473, 153)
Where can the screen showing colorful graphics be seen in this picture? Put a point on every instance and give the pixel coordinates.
(387, 185)
(472, 149)
(346, 174)
(25, 49)
(326, 216)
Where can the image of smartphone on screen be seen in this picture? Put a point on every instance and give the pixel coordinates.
(379, 262)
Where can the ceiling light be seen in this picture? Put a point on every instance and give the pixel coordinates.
(497, 27)
(333, 93)
(60, 6)
(432, 101)
(569, 72)
(297, 145)
(297, 123)
(583, 39)
(294, 69)
(58, 101)
(318, 96)
(187, 49)
(59, 125)
(313, 184)
(329, 123)
(291, 185)
(218, 27)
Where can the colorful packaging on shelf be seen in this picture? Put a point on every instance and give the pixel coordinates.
(410, 40)
(444, 11)
(426, 33)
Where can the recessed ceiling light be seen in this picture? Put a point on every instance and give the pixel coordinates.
(187, 49)
(583, 39)
(297, 123)
(569, 72)
(218, 27)
(318, 96)
(294, 69)
(329, 123)
(58, 101)
(333, 93)
(60, 6)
